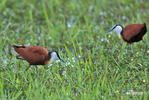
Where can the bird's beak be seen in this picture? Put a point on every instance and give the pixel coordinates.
(62, 60)
(109, 30)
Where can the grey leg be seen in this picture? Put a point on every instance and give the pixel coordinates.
(146, 46)
(27, 68)
(131, 50)
(37, 70)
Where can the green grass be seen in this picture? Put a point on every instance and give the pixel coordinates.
(97, 64)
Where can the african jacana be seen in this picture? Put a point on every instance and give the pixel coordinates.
(131, 33)
(36, 55)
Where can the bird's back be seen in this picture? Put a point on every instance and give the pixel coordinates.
(134, 32)
(35, 55)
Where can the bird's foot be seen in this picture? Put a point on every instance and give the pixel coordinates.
(131, 55)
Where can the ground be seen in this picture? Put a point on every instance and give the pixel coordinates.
(97, 64)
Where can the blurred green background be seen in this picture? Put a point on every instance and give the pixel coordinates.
(98, 65)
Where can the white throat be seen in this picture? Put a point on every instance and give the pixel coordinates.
(118, 30)
(54, 56)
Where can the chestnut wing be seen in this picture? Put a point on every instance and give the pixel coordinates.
(35, 55)
(132, 30)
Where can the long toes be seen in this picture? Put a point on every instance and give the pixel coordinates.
(131, 55)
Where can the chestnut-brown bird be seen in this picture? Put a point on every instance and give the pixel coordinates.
(36, 55)
(131, 33)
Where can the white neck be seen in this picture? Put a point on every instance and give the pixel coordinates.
(51, 60)
(54, 57)
(118, 30)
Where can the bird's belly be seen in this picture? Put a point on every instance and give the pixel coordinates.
(135, 39)
(36, 63)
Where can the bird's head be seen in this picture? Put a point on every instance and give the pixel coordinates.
(53, 56)
(117, 29)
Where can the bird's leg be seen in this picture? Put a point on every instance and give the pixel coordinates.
(146, 46)
(37, 70)
(27, 68)
(19, 57)
(131, 50)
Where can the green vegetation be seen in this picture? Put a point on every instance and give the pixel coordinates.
(98, 65)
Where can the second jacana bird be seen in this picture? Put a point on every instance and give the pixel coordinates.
(36, 55)
(131, 33)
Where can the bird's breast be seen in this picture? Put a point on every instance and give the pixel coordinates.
(121, 37)
(47, 62)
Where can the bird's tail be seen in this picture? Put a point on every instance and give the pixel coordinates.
(145, 28)
(18, 46)
(19, 50)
